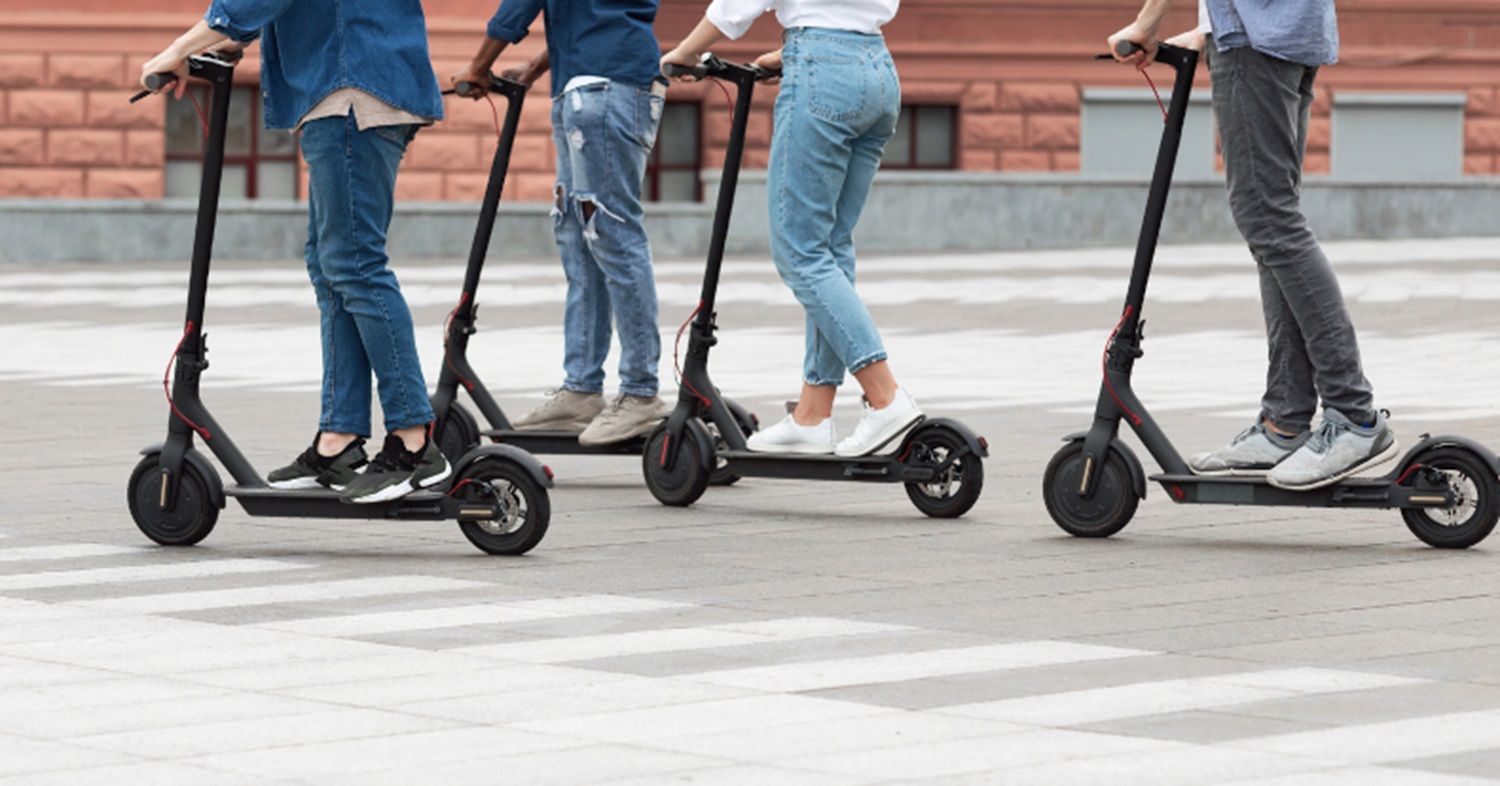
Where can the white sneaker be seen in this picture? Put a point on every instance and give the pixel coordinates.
(880, 429)
(789, 436)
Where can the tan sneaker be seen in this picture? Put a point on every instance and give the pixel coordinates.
(564, 410)
(625, 417)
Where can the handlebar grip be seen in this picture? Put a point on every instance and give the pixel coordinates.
(158, 82)
(671, 70)
(1127, 48)
(464, 88)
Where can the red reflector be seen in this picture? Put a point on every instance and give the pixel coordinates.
(1177, 493)
(548, 472)
(984, 443)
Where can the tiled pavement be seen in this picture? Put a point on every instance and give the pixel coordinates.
(774, 633)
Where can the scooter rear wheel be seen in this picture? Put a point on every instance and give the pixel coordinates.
(190, 519)
(957, 488)
(1473, 518)
(460, 433)
(525, 507)
(686, 481)
(1106, 512)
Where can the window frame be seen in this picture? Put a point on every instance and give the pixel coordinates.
(651, 188)
(254, 157)
(913, 143)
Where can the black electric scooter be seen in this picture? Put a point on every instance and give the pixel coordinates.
(456, 430)
(498, 494)
(1445, 487)
(940, 461)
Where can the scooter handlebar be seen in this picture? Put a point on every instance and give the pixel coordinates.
(498, 84)
(712, 66)
(1166, 54)
(155, 83)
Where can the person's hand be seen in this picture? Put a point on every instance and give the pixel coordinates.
(479, 83)
(170, 61)
(1192, 39)
(681, 58)
(770, 61)
(1140, 36)
(520, 73)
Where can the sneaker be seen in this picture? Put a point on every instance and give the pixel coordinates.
(396, 472)
(1254, 452)
(789, 436)
(312, 470)
(564, 410)
(880, 429)
(625, 417)
(1336, 450)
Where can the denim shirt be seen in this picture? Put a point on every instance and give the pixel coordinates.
(1305, 32)
(608, 38)
(310, 48)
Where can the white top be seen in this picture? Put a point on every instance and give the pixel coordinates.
(734, 17)
(369, 111)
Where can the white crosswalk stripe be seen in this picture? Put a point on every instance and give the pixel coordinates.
(170, 602)
(475, 614)
(135, 573)
(65, 551)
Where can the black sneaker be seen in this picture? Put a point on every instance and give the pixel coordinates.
(396, 472)
(311, 470)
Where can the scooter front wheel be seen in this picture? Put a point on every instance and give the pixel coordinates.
(1100, 515)
(686, 480)
(524, 507)
(460, 433)
(1473, 516)
(191, 517)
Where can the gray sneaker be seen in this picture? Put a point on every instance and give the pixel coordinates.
(1253, 452)
(396, 472)
(625, 417)
(1336, 450)
(564, 410)
(311, 470)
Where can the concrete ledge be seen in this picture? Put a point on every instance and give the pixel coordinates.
(909, 212)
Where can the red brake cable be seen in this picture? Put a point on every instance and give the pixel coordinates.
(166, 387)
(1157, 93)
(676, 359)
(1104, 367)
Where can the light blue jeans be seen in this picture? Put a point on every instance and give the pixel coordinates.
(366, 324)
(603, 133)
(840, 98)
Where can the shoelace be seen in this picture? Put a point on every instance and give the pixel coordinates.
(391, 461)
(1327, 432)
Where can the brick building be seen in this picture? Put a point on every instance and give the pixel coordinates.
(990, 85)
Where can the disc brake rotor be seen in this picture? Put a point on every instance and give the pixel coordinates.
(1467, 492)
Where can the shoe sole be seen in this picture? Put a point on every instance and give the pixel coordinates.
(884, 440)
(647, 428)
(400, 490)
(574, 426)
(1387, 455)
(295, 484)
(797, 450)
(1232, 472)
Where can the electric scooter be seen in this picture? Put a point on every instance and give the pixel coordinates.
(1445, 486)
(456, 429)
(497, 494)
(940, 461)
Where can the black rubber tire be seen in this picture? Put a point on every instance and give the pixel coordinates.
(1110, 508)
(687, 480)
(1475, 477)
(189, 521)
(460, 433)
(930, 446)
(515, 485)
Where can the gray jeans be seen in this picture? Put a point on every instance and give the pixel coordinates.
(1262, 106)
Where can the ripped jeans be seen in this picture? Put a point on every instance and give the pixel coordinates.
(603, 133)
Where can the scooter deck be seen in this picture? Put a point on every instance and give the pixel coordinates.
(823, 466)
(1355, 492)
(562, 442)
(427, 505)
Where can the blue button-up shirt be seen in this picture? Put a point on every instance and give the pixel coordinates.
(608, 38)
(310, 48)
(1305, 32)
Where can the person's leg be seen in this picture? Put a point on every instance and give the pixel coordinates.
(1262, 105)
(337, 452)
(354, 182)
(586, 330)
(612, 129)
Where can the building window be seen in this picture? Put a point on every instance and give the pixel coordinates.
(672, 171)
(1121, 134)
(258, 164)
(926, 138)
(1404, 137)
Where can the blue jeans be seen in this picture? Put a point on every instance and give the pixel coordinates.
(603, 133)
(840, 98)
(366, 324)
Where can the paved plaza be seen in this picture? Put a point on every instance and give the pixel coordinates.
(776, 632)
